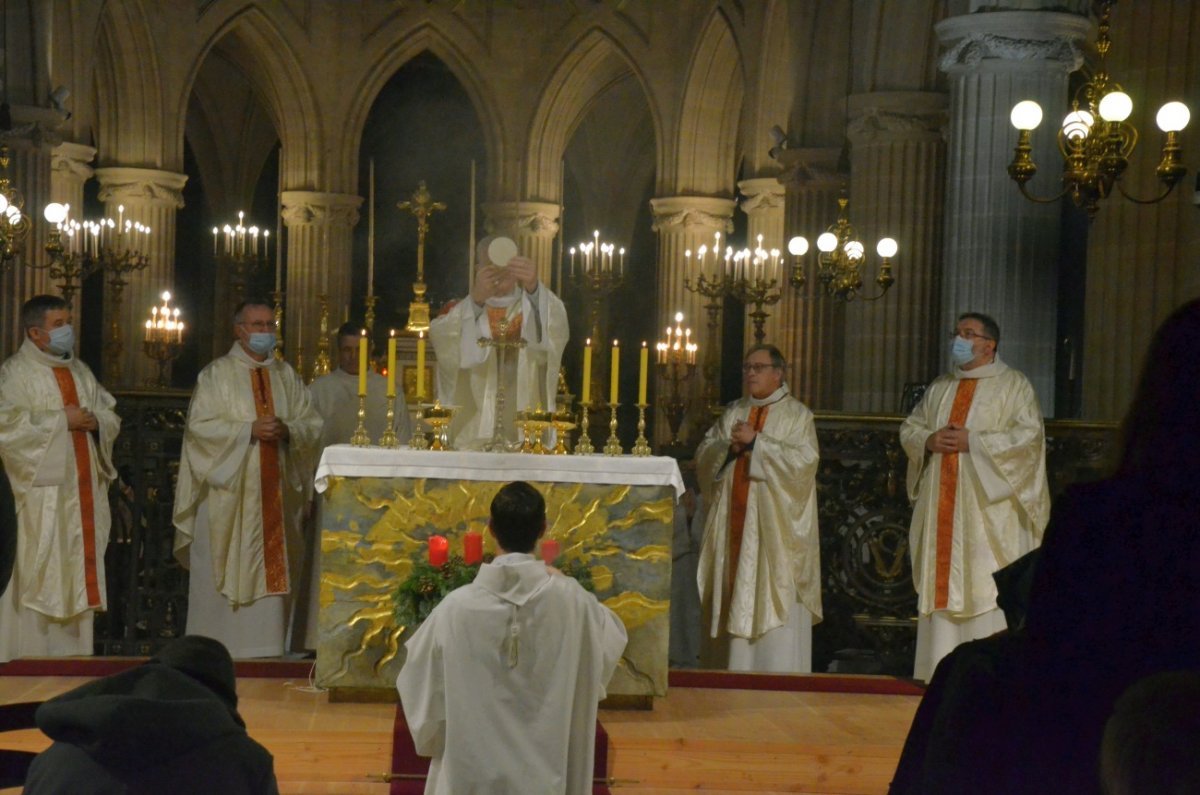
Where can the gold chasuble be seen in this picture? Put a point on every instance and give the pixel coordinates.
(83, 473)
(947, 492)
(274, 550)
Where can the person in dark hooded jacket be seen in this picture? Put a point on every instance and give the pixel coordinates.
(170, 725)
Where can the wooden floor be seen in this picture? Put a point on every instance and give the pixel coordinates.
(714, 741)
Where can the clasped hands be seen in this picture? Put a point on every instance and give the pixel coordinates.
(741, 436)
(951, 439)
(492, 281)
(80, 419)
(269, 429)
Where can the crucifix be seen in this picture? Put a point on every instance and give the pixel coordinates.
(422, 206)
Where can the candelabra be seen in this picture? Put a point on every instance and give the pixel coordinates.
(597, 275)
(422, 206)
(754, 283)
(1096, 153)
(712, 283)
(676, 364)
(163, 339)
(66, 262)
(237, 247)
(842, 255)
(322, 362)
(14, 224)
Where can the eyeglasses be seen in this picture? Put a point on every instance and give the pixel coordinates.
(968, 334)
(756, 367)
(260, 325)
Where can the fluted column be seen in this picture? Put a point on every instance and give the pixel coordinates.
(319, 227)
(763, 205)
(1001, 251)
(684, 223)
(532, 225)
(153, 198)
(810, 322)
(896, 190)
(29, 173)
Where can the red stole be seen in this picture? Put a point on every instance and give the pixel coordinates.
(83, 473)
(274, 549)
(948, 494)
(739, 496)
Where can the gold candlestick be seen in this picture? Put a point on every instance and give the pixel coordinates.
(613, 445)
(360, 437)
(369, 318)
(641, 446)
(388, 439)
(277, 297)
(418, 440)
(584, 445)
(322, 364)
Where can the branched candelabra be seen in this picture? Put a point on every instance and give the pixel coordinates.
(676, 364)
(713, 283)
(597, 275)
(243, 250)
(163, 340)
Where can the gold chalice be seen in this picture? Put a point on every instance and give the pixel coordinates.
(438, 418)
(564, 423)
(533, 423)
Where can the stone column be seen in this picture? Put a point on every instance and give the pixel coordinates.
(319, 227)
(763, 205)
(896, 191)
(151, 197)
(684, 223)
(810, 322)
(29, 175)
(532, 225)
(1001, 250)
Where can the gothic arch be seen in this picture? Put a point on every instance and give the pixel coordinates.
(397, 49)
(591, 66)
(129, 105)
(706, 143)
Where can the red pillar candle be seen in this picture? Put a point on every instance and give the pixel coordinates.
(439, 550)
(472, 548)
(549, 551)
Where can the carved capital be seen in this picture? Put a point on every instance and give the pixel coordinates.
(141, 186)
(304, 207)
(1049, 39)
(535, 219)
(887, 117)
(810, 169)
(762, 195)
(73, 159)
(681, 213)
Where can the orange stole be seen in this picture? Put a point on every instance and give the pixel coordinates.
(495, 315)
(947, 495)
(739, 496)
(274, 550)
(83, 472)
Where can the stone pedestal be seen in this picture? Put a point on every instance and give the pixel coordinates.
(319, 227)
(896, 191)
(1001, 250)
(763, 205)
(151, 197)
(684, 223)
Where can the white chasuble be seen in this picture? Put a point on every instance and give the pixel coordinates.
(778, 565)
(468, 372)
(335, 397)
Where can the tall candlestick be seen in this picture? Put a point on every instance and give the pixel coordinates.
(370, 233)
(362, 364)
(391, 377)
(585, 394)
(616, 370)
(420, 365)
(643, 366)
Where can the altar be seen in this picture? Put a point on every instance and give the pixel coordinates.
(610, 514)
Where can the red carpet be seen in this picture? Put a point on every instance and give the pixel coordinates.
(409, 770)
(106, 666)
(796, 683)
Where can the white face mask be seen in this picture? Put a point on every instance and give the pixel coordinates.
(62, 340)
(261, 342)
(962, 351)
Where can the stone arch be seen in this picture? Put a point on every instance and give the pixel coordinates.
(591, 66)
(128, 81)
(271, 65)
(706, 141)
(463, 65)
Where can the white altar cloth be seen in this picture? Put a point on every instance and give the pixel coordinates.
(343, 460)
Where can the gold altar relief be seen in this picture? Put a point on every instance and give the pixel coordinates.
(374, 528)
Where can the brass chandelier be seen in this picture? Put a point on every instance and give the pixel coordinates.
(14, 224)
(1096, 138)
(841, 259)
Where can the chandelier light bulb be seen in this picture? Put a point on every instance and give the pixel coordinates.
(854, 249)
(798, 246)
(827, 242)
(14, 214)
(887, 248)
(55, 213)
(3, 203)
(1077, 124)
(1026, 115)
(1173, 117)
(1115, 106)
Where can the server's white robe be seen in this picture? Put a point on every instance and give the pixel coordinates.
(335, 397)
(779, 569)
(45, 610)
(467, 372)
(219, 508)
(500, 683)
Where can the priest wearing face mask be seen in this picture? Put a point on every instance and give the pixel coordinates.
(245, 477)
(57, 426)
(977, 478)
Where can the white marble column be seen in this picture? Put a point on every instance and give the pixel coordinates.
(319, 227)
(810, 322)
(153, 198)
(763, 205)
(1001, 250)
(29, 174)
(684, 223)
(896, 191)
(532, 225)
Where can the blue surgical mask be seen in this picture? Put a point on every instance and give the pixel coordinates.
(261, 342)
(62, 340)
(961, 351)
